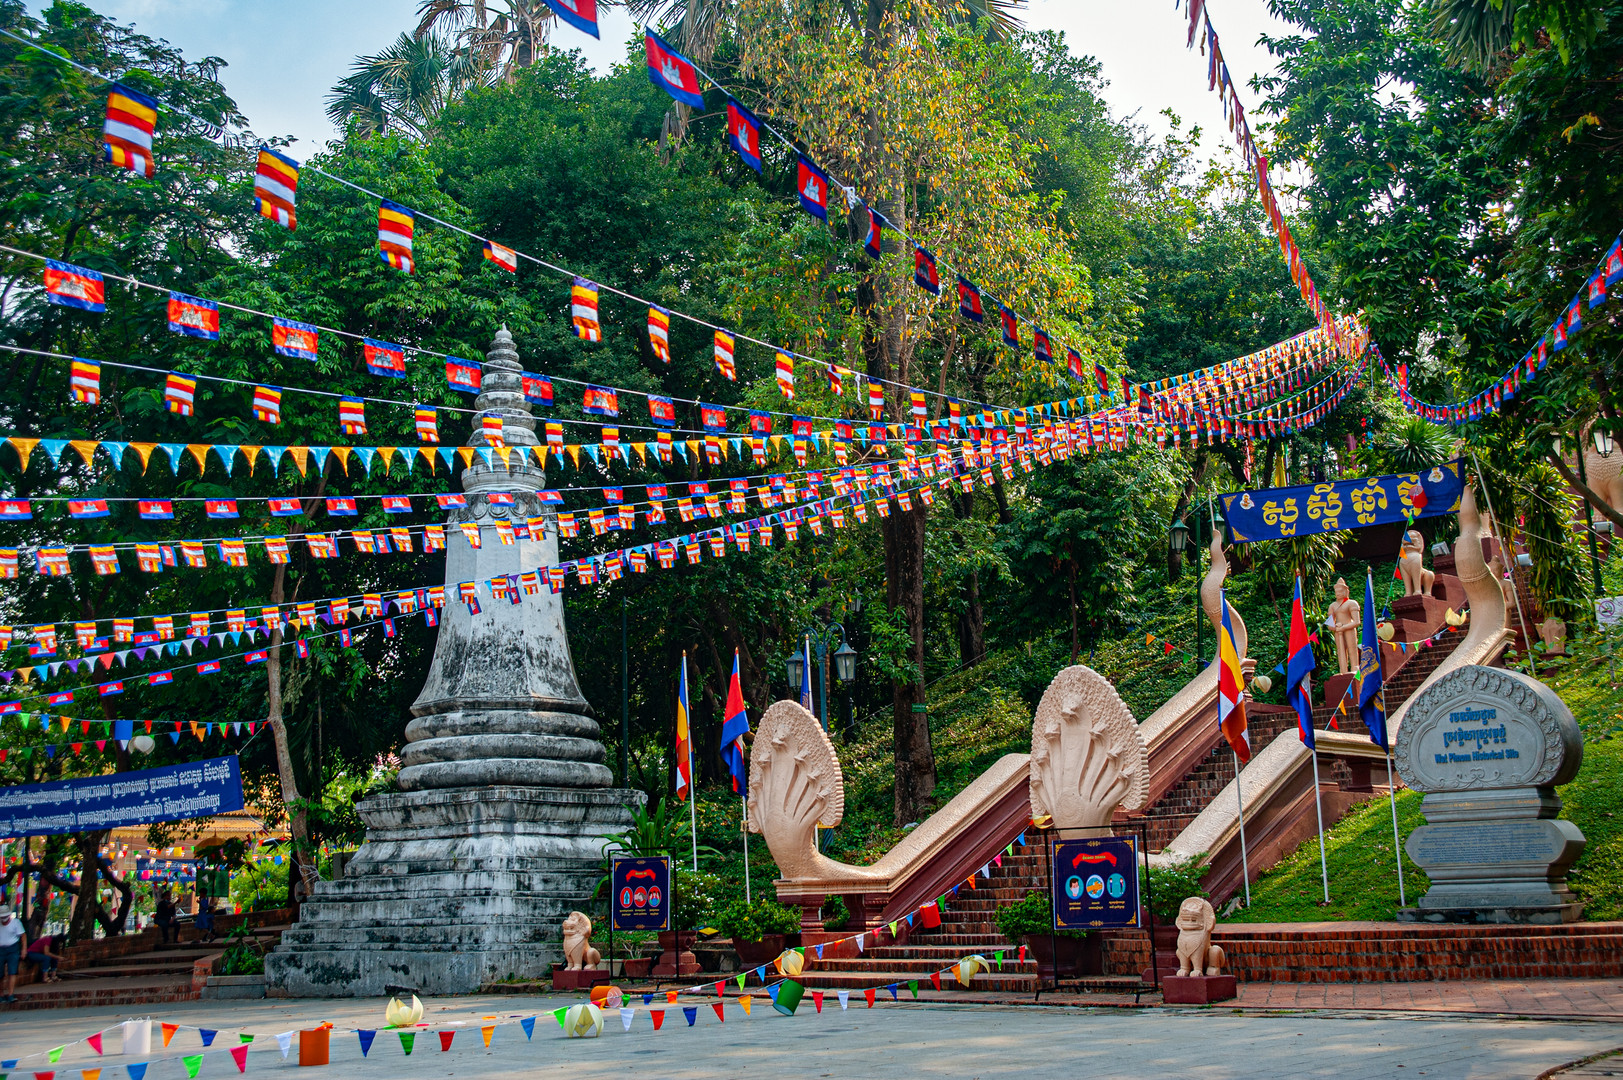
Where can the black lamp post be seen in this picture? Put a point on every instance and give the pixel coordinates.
(1603, 446)
(1179, 536)
(845, 664)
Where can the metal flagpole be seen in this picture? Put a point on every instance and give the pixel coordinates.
(1318, 808)
(745, 800)
(1509, 558)
(1397, 849)
(1245, 861)
(693, 781)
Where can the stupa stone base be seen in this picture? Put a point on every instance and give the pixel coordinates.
(453, 888)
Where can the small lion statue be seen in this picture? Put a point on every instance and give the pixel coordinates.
(578, 951)
(1411, 564)
(1196, 953)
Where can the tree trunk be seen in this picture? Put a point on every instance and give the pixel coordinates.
(86, 905)
(904, 579)
(301, 873)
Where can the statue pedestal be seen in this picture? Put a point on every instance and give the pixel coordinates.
(453, 889)
(1197, 989)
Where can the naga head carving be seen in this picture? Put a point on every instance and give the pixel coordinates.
(1087, 756)
(795, 786)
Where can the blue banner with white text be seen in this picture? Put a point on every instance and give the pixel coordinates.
(1281, 513)
(172, 793)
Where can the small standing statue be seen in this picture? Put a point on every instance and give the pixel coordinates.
(1343, 622)
(1416, 578)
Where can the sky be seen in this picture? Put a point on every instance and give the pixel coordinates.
(284, 56)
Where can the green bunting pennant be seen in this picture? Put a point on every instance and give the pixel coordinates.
(913, 985)
(407, 1040)
(193, 1062)
(558, 1015)
(740, 980)
(56, 1054)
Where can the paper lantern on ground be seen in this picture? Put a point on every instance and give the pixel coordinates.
(791, 963)
(970, 966)
(584, 1021)
(400, 1014)
(606, 996)
(788, 997)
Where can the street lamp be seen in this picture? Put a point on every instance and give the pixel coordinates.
(1603, 442)
(1179, 536)
(845, 663)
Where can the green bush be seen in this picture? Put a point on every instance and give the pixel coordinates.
(835, 913)
(244, 955)
(697, 896)
(1030, 917)
(1170, 886)
(748, 922)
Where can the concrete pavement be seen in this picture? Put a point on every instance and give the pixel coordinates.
(897, 1040)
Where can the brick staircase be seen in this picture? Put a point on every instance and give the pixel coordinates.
(969, 925)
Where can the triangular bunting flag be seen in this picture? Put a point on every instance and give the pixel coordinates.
(407, 1040)
(239, 1054)
(193, 1062)
(528, 1024)
(366, 1038)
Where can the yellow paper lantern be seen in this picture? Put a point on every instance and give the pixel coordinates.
(400, 1014)
(583, 1021)
(791, 963)
(1386, 631)
(970, 966)
(1262, 683)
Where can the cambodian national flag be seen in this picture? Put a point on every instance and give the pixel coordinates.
(733, 729)
(160, 678)
(662, 411)
(1073, 363)
(220, 508)
(924, 272)
(1299, 670)
(601, 401)
(581, 14)
(87, 508)
(451, 502)
(194, 316)
(1613, 266)
(156, 509)
(340, 507)
(109, 689)
(744, 133)
(672, 72)
(299, 340)
(74, 286)
(462, 375)
(1011, 326)
(969, 300)
(256, 657)
(874, 242)
(208, 667)
(811, 184)
(286, 508)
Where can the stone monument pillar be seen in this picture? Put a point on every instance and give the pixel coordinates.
(468, 872)
(1488, 747)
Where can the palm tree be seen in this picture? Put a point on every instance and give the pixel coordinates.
(1481, 33)
(504, 35)
(403, 89)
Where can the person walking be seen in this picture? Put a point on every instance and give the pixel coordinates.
(12, 939)
(39, 951)
(165, 917)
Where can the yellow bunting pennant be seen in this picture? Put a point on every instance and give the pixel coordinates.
(574, 454)
(466, 453)
(428, 456)
(487, 1031)
(24, 447)
(387, 453)
(342, 454)
(200, 454)
(301, 457)
(540, 453)
(506, 453)
(251, 452)
(90, 1074)
(87, 451)
(144, 450)
(745, 1002)
(642, 451)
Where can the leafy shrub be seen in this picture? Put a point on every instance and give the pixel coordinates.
(244, 955)
(835, 913)
(1170, 886)
(748, 922)
(697, 896)
(1030, 917)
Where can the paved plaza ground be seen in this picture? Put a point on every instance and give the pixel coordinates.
(947, 1038)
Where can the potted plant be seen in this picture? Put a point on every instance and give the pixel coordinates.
(1059, 953)
(760, 931)
(630, 949)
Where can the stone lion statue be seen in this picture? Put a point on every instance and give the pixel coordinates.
(1411, 564)
(1196, 953)
(578, 951)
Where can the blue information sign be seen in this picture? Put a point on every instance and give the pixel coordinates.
(1278, 513)
(1096, 883)
(642, 892)
(172, 793)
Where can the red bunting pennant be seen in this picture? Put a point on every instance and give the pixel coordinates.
(718, 1006)
(658, 1016)
(445, 1040)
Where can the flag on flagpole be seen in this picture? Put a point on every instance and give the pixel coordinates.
(733, 729)
(805, 675)
(1231, 688)
(684, 743)
(1299, 669)
(1371, 699)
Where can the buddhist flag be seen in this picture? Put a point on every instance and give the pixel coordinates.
(583, 310)
(1231, 689)
(969, 300)
(179, 393)
(916, 398)
(684, 742)
(744, 133)
(924, 272)
(1299, 669)
(194, 316)
(268, 404)
(296, 339)
(671, 72)
(876, 400)
(74, 286)
(276, 187)
(126, 136)
(786, 373)
(659, 332)
(811, 184)
(84, 381)
(734, 727)
(352, 415)
(504, 257)
(491, 428)
(724, 355)
(395, 225)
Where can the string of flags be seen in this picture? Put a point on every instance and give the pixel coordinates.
(1567, 326)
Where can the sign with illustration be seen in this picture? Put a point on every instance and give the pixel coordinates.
(642, 892)
(1095, 883)
(1281, 513)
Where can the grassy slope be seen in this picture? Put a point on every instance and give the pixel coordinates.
(1363, 882)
